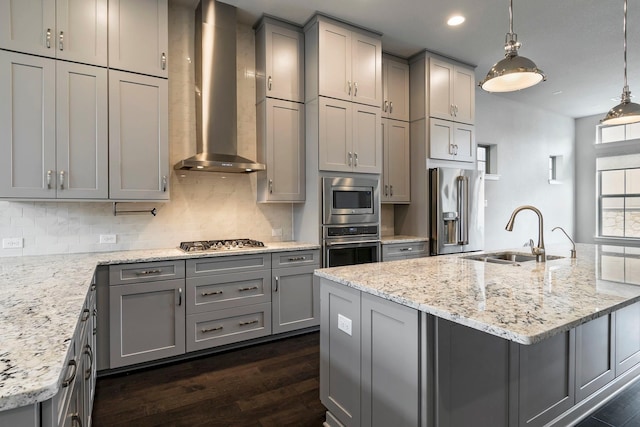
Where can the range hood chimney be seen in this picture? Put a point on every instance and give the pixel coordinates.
(216, 104)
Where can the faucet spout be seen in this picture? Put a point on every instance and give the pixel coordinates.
(539, 250)
(573, 251)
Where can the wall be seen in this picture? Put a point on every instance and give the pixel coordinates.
(203, 205)
(525, 138)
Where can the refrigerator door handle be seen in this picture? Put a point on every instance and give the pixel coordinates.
(463, 209)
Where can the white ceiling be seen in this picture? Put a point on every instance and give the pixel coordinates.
(578, 43)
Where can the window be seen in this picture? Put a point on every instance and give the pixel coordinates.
(608, 134)
(482, 158)
(619, 196)
(487, 160)
(555, 169)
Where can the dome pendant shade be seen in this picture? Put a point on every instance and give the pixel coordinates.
(624, 113)
(512, 73)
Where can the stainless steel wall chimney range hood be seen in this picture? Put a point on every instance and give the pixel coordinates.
(215, 73)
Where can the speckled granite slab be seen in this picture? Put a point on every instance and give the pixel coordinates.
(525, 303)
(399, 238)
(41, 298)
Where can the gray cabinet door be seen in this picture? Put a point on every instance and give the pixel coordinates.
(464, 98)
(472, 377)
(366, 69)
(335, 135)
(595, 356)
(147, 322)
(334, 51)
(547, 379)
(138, 137)
(27, 126)
(81, 31)
(295, 299)
(281, 146)
(627, 338)
(395, 89)
(81, 132)
(28, 26)
(138, 36)
(367, 139)
(390, 393)
(396, 169)
(340, 351)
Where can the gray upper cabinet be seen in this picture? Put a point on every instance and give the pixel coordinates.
(451, 92)
(451, 140)
(396, 174)
(66, 156)
(138, 137)
(280, 133)
(73, 30)
(279, 61)
(348, 61)
(138, 36)
(395, 88)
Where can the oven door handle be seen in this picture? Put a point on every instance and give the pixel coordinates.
(358, 243)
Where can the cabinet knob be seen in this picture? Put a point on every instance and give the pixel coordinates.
(61, 41)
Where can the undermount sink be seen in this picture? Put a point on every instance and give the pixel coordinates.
(507, 257)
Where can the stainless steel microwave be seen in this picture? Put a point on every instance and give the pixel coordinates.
(350, 200)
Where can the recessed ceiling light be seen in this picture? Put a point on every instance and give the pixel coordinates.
(558, 92)
(456, 20)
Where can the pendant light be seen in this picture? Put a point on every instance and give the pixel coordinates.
(513, 72)
(626, 111)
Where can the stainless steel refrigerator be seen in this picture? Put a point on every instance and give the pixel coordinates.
(456, 210)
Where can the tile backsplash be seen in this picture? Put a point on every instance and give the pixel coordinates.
(202, 206)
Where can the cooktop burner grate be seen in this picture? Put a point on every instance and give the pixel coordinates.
(213, 245)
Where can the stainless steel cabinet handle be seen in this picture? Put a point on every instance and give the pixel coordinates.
(148, 272)
(269, 82)
(217, 328)
(297, 258)
(49, 173)
(391, 107)
(355, 159)
(164, 61)
(391, 190)
(89, 352)
(48, 38)
(355, 88)
(179, 296)
(164, 184)
(277, 279)
(250, 288)
(62, 180)
(75, 419)
(270, 186)
(406, 249)
(451, 110)
(74, 369)
(350, 158)
(386, 190)
(85, 314)
(61, 43)
(349, 84)
(206, 294)
(386, 106)
(250, 322)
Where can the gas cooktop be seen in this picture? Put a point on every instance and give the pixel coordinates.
(215, 245)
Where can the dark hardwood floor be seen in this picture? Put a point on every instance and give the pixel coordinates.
(272, 384)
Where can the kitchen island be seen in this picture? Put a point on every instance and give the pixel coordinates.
(452, 341)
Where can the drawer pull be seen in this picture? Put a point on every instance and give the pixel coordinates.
(74, 369)
(85, 314)
(148, 272)
(217, 328)
(248, 289)
(250, 322)
(206, 294)
(297, 258)
(89, 352)
(406, 249)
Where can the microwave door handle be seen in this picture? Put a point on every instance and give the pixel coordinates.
(463, 209)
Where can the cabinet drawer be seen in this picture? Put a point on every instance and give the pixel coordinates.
(145, 272)
(295, 258)
(228, 264)
(222, 291)
(222, 327)
(404, 250)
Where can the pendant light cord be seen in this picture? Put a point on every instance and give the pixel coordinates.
(511, 16)
(624, 30)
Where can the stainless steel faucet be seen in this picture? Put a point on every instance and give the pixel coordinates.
(573, 251)
(538, 251)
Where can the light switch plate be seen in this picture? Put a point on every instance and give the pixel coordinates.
(344, 324)
(12, 243)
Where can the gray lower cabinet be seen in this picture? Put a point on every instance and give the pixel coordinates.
(472, 377)
(295, 295)
(627, 338)
(595, 355)
(368, 359)
(394, 251)
(546, 379)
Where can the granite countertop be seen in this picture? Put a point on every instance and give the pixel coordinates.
(400, 238)
(41, 298)
(525, 303)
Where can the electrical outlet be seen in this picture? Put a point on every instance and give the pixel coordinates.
(12, 243)
(107, 238)
(276, 232)
(344, 324)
